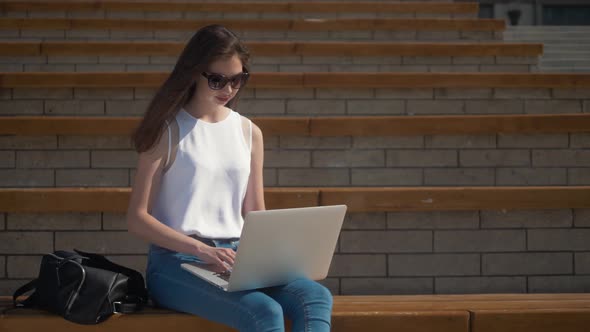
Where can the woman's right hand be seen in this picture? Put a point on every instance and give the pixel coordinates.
(222, 258)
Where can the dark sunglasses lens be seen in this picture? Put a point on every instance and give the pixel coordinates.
(239, 80)
(217, 82)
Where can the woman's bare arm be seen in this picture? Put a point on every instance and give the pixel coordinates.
(254, 199)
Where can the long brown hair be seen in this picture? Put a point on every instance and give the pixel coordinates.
(210, 43)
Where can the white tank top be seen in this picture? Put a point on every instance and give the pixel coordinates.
(202, 191)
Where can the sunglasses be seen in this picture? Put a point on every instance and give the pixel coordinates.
(219, 81)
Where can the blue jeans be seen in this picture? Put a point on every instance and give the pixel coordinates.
(305, 302)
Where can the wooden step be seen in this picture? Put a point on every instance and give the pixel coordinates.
(245, 7)
(309, 80)
(320, 126)
(355, 24)
(273, 48)
(358, 199)
(453, 313)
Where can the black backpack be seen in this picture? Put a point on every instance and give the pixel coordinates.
(83, 287)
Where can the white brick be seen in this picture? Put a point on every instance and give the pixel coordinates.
(391, 35)
(144, 93)
(386, 177)
(367, 220)
(111, 242)
(114, 221)
(437, 35)
(478, 35)
(87, 34)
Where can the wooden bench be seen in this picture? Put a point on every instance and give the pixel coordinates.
(309, 80)
(416, 313)
(358, 199)
(321, 126)
(355, 24)
(274, 48)
(245, 7)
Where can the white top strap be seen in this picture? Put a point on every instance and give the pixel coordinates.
(169, 145)
(250, 143)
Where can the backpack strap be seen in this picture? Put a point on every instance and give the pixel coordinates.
(137, 291)
(30, 301)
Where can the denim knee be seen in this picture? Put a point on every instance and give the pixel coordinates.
(267, 316)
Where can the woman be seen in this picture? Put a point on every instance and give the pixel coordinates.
(199, 172)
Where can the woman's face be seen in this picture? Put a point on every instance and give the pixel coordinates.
(229, 68)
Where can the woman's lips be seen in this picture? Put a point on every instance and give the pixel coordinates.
(222, 98)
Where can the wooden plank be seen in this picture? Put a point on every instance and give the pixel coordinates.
(253, 6)
(358, 199)
(445, 125)
(528, 320)
(117, 199)
(372, 199)
(320, 126)
(277, 48)
(408, 321)
(414, 24)
(272, 80)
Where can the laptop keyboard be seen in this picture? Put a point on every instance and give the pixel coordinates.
(223, 275)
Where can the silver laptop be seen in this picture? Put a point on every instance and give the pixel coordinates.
(278, 246)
